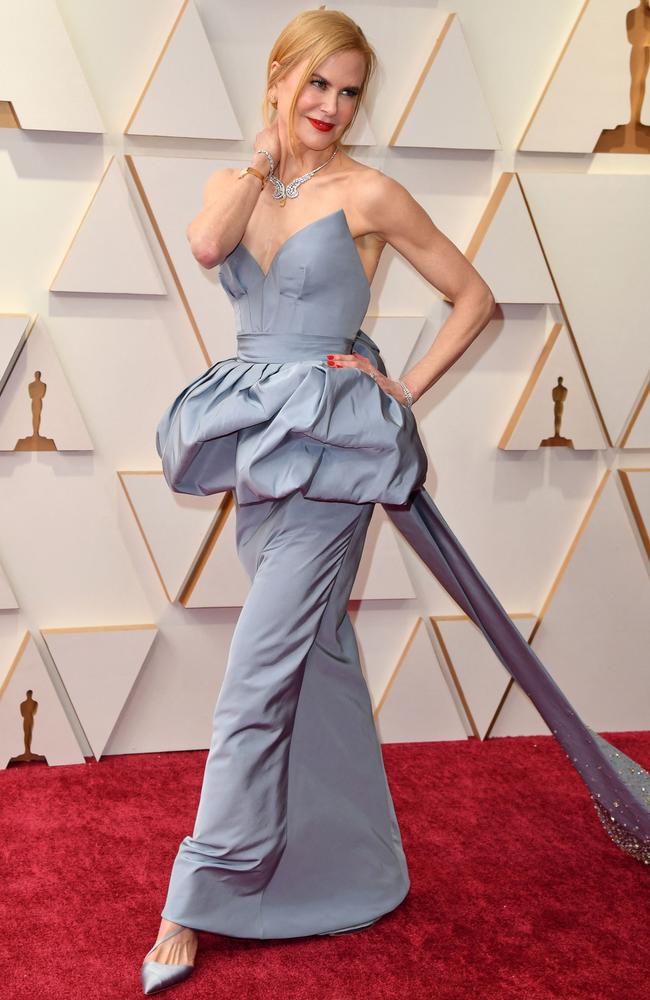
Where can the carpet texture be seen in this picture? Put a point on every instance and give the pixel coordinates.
(516, 891)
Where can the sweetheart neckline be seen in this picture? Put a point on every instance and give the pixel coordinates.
(322, 218)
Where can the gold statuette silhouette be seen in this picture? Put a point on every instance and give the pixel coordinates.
(37, 390)
(559, 395)
(28, 709)
(633, 136)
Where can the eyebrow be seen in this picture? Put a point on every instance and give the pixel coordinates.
(350, 86)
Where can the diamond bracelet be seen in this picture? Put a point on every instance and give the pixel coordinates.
(407, 393)
(269, 158)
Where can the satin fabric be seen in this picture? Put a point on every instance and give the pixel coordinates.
(296, 832)
(276, 418)
(619, 786)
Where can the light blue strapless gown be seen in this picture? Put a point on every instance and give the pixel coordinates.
(296, 832)
(275, 418)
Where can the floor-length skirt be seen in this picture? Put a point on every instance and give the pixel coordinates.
(295, 832)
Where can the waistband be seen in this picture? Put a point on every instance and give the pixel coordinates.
(290, 346)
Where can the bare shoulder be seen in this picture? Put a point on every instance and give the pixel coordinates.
(362, 181)
(390, 214)
(388, 209)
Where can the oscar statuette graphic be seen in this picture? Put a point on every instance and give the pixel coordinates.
(28, 709)
(633, 136)
(559, 395)
(35, 442)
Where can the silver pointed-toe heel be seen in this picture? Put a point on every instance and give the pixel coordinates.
(156, 976)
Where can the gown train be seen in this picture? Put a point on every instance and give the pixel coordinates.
(619, 787)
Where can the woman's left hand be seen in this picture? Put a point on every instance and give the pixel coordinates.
(355, 360)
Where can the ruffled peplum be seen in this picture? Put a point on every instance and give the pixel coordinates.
(276, 418)
(266, 429)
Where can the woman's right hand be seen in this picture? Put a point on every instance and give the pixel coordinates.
(269, 139)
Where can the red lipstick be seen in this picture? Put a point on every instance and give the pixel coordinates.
(321, 126)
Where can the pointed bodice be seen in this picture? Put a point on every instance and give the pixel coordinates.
(311, 301)
(276, 418)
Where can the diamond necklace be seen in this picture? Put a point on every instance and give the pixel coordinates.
(282, 192)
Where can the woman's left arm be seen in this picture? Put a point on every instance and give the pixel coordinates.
(397, 218)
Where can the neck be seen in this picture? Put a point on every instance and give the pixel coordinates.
(305, 159)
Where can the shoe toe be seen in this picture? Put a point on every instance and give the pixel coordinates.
(156, 976)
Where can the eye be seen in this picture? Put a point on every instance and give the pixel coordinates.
(351, 91)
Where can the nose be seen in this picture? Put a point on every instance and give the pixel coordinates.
(329, 105)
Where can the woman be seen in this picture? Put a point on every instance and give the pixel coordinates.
(295, 832)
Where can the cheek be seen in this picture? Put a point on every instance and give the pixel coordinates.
(306, 101)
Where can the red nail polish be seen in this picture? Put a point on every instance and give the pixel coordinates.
(339, 366)
(331, 364)
(330, 355)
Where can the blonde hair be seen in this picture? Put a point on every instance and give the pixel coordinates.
(316, 34)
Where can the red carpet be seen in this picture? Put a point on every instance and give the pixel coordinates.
(517, 893)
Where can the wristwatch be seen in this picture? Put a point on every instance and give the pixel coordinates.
(252, 170)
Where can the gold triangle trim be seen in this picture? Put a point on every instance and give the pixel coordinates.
(14, 663)
(565, 317)
(572, 547)
(434, 619)
(534, 376)
(83, 218)
(25, 337)
(624, 476)
(168, 257)
(488, 214)
(530, 385)
(422, 77)
(560, 573)
(155, 66)
(227, 504)
(479, 235)
(635, 414)
(27, 329)
(121, 475)
(511, 680)
(396, 669)
(8, 116)
(552, 75)
(77, 629)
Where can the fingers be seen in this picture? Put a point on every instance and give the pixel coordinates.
(353, 360)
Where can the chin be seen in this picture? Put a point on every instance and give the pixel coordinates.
(330, 136)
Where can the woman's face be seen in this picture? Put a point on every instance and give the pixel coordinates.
(329, 97)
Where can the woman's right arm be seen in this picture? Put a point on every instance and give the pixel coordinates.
(228, 204)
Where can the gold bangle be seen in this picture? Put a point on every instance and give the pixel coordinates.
(252, 170)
